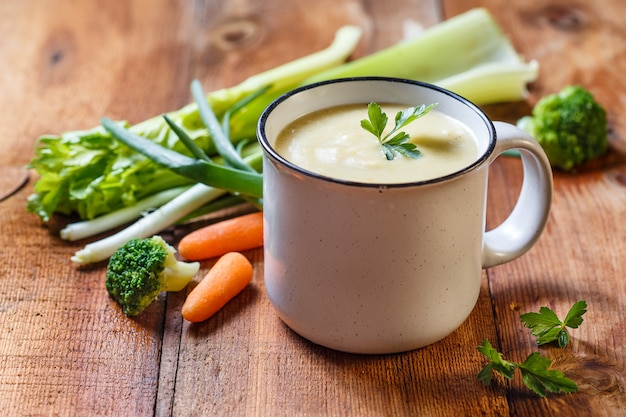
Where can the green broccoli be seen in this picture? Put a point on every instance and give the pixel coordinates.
(141, 269)
(571, 127)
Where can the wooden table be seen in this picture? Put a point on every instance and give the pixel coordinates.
(65, 348)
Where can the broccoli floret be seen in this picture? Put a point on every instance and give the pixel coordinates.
(141, 269)
(571, 127)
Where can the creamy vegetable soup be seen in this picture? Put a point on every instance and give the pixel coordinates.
(332, 142)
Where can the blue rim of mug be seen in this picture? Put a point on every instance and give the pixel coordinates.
(271, 152)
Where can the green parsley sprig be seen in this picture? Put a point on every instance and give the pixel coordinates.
(535, 371)
(394, 142)
(547, 327)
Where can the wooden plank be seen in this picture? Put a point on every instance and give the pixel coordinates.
(575, 43)
(571, 263)
(580, 256)
(64, 347)
(244, 361)
(79, 62)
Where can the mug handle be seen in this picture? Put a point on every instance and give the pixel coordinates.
(521, 229)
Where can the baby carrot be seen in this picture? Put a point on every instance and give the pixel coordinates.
(228, 277)
(232, 235)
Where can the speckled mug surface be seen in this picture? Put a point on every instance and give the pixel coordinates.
(367, 268)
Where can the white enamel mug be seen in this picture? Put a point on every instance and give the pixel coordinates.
(366, 268)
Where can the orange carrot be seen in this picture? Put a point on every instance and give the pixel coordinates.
(232, 235)
(228, 277)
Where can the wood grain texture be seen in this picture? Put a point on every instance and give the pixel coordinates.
(12, 178)
(65, 348)
(583, 248)
(575, 42)
(264, 378)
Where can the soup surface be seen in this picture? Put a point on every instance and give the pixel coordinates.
(332, 142)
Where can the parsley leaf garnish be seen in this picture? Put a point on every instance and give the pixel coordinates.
(547, 327)
(496, 363)
(394, 142)
(535, 371)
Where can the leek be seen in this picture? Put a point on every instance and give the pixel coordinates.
(467, 54)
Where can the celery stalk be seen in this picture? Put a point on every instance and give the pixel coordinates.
(86, 228)
(154, 222)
